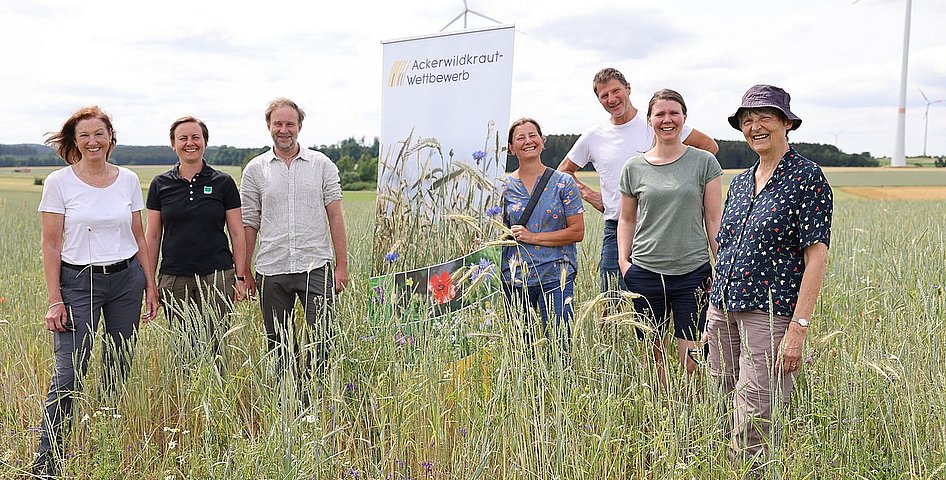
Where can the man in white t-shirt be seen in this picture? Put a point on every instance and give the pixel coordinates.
(608, 146)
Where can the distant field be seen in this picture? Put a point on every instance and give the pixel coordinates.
(145, 172)
(899, 193)
(879, 183)
(884, 183)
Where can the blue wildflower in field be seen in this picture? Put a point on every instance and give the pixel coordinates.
(428, 466)
(494, 210)
(478, 155)
(391, 257)
(484, 267)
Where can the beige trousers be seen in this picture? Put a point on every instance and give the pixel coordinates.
(743, 349)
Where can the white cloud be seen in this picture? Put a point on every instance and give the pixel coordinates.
(149, 63)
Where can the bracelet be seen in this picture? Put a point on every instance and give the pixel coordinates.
(55, 304)
(240, 278)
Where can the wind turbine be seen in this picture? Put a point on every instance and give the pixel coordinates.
(899, 158)
(926, 117)
(466, 11)
(836, 138)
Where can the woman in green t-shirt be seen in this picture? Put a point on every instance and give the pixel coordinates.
(671, 203)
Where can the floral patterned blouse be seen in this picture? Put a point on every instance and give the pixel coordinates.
(535, 264)
(763, 237)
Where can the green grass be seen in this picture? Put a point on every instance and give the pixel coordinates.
(868, 404)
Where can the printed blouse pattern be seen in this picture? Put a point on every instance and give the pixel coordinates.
(762, 238)
(535, 264)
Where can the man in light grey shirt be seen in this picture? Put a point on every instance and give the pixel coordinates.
(292, 203)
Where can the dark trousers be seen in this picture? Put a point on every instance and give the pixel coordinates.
(200, 306)
(278, 293)
(682, 298)
(89, 297)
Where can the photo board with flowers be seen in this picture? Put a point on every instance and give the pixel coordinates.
(436, 290)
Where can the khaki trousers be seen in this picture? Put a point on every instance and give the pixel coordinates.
(200, 305)
(743, 349)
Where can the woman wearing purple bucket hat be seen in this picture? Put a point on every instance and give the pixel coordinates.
(773, 248)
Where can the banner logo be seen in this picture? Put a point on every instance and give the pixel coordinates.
(427, 71)
(398, 72)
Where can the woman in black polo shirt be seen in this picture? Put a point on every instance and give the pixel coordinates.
(188, 208)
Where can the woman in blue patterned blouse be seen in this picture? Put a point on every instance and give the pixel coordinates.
(539, 271)
(773, 249)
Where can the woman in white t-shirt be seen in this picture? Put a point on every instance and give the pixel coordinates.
(94, 261)
(671, 202)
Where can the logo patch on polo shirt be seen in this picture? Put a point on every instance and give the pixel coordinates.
(208, 190)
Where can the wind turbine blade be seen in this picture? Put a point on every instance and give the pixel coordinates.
(924, 96)
(484, 16)
(451, 21)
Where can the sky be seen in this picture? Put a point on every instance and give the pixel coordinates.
(148, 63)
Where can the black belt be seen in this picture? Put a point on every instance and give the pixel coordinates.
(106, 269)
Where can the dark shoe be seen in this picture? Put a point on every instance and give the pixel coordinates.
(45, 466)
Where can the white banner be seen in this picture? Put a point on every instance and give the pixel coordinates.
(445, 102)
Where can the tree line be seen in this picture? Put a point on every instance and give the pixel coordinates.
(357, 160)
(34, 155)
(732, 154)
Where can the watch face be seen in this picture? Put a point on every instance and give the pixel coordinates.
(803, 322)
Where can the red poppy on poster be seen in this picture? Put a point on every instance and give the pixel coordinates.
(442, 287)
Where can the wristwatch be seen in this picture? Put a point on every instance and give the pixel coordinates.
(802, 322)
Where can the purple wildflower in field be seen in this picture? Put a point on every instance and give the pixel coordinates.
(378, 294)
(391, 257)
(351, 387)
(353, 472)
(463, 432)
(479, 155)
(428, 466)
(494, 210)
(484, 267)
(404, 340)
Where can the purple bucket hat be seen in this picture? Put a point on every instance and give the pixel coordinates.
(766, 96)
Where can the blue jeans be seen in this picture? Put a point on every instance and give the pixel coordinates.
(520, 299)
(612, 282)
